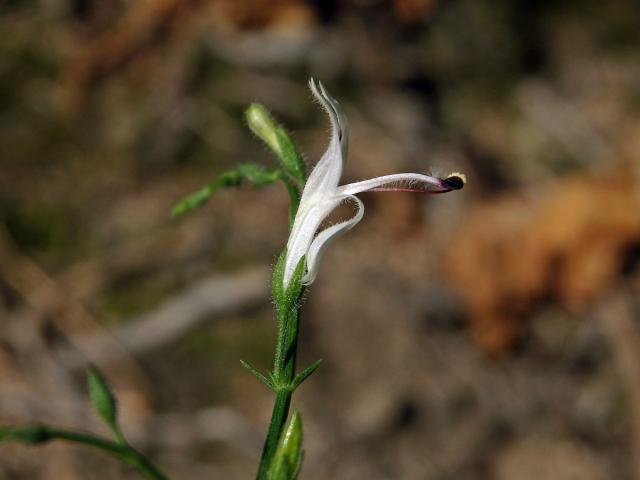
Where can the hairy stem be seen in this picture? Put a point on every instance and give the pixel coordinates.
(284, 368)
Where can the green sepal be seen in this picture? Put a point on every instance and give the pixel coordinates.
(277, 282)
(31, 434)
(287, 461)
(266, 379)
(103, 401)
(294, 290)
(290, 156)
(278, 140)
(255, 175)
(304, 374)
(287, 299)
(294, 197)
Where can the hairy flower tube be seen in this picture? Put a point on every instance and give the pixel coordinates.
(322, 194)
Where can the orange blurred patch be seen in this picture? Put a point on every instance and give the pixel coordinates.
(149, 25)
(569, 245)
(412, 11)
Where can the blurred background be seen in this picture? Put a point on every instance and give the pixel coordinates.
(484, 334)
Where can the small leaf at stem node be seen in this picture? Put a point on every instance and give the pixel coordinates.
(103, 401)
(304, 374)
(260, 376)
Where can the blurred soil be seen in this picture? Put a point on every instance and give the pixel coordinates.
(490, 333)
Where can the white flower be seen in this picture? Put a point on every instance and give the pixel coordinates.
(322, 194)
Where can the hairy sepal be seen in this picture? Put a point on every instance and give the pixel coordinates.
(287, 298)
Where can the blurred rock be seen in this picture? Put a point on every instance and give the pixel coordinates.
(541, 458)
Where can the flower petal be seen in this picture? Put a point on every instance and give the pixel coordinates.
(400, 182)
(341, 120)
(326, 174)
(308, 219)
(324, 238)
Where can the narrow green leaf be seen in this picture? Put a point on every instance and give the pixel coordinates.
(286, 151)
(304, 374)
(230, 178)
(103, 401)
(287, 461)
(251, 173)
(257, 175)
(257, 374)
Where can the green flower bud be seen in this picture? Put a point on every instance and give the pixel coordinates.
(287, 460)
(278, 140)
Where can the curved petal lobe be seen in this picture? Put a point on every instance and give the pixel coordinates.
(326, 174)
(324, 238)
(341, 119)
(308, 219)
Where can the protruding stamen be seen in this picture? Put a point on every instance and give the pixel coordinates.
(455, 181)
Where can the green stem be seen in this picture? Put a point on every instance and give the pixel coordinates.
(125, 452)
(284, 372)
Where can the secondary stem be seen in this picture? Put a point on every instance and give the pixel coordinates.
(125, 453)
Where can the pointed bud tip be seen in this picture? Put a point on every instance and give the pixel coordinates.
(296, 420)
(290, 443)
(258, 117)
(261, 123)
